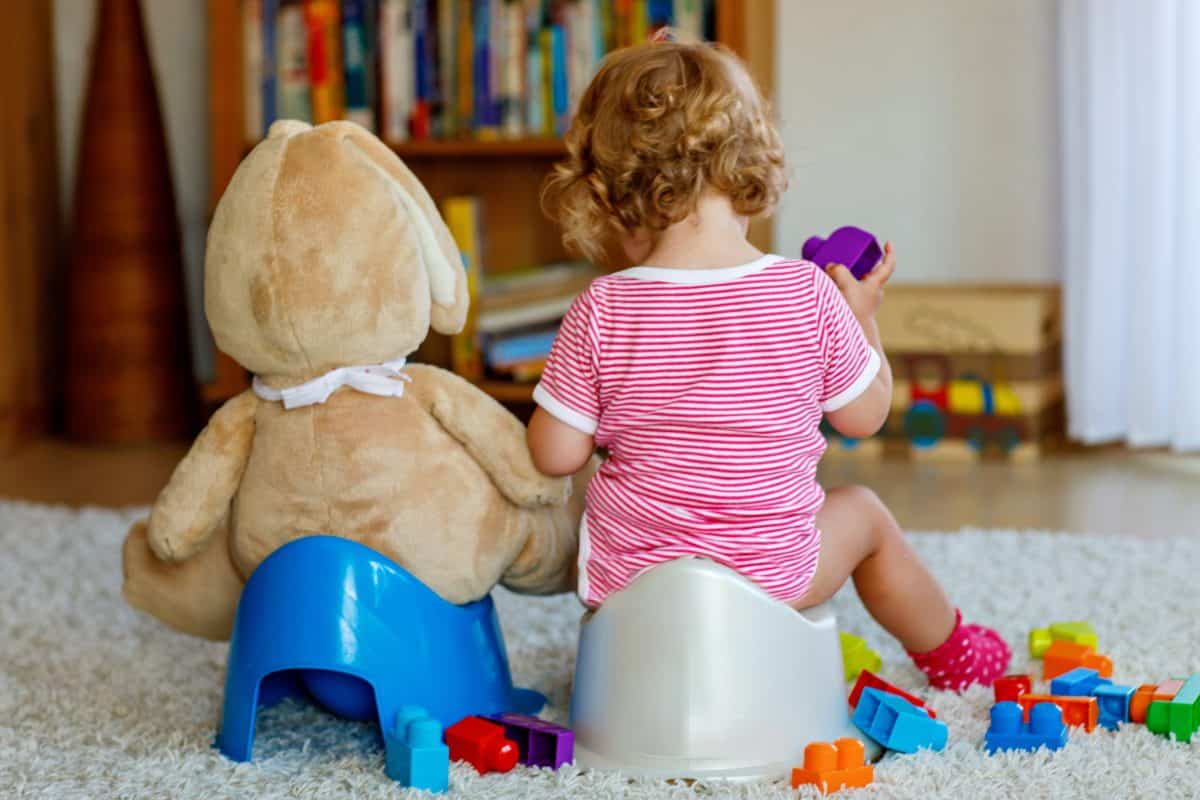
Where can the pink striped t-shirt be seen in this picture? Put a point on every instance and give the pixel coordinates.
(707, 388)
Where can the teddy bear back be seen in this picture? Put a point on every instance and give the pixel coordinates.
(325, 251)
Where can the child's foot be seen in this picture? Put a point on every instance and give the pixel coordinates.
(972, 654)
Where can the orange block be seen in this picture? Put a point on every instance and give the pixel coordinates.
(833, 767)
(1076, 711)
(1064, 656)
(1139, 704)
(1147, 693)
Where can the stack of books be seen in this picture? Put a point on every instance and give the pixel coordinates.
(515, 315)
(422, 69)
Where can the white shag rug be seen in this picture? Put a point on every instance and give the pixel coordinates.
(98, 701)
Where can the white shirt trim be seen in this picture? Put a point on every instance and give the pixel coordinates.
(854, 390)
(563, 413)
(699, 276)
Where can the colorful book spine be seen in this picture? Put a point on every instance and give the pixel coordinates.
(512, 118)
(639, 21)
(355, 62)
(534, 116)
(294, 90)
(546, 44)
(689, 19)
(486, 126)
(448, 66)
(270, 106)
(252, 70)
(421, 122)
(466, 64)
(396, 67)
(324, 59)
(510, 350)
(659, 14)
(560, 91)
(463, 219)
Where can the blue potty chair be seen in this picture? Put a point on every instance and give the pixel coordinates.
(333, 620)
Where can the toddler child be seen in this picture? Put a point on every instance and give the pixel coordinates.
(705, 370)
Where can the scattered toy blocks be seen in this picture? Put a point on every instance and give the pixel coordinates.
(1008, 731)
(1010, 687)
(869, 680)
(833, 767)
(481, 743)
(856, 656)
(898, 724)
(1113, 700)
(1063, 656)
(1079, 632)
(1139, 704)
(1179, 716)
(1076, 711)
(416, 756)
(1079, 682)
(539, 743)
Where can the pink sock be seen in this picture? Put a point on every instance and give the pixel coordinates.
(972, 654)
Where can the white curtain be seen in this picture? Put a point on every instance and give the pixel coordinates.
(1130, 108)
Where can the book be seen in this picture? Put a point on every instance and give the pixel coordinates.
(559, 281)
(462, 215)
(396, 73)
(485, 113)
(356, 62)
(546, 45)
(534, 97)
(506, 351)
(267, 88)
(560, 91)
(448, 66)
(253, 74)
(689, 20)
(293, 88)
(420, 123)
(512, 70)
(506, 319)
(466, 64)
(322, 19)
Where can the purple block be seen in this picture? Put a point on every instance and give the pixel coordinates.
(850, 246)
(540, 743)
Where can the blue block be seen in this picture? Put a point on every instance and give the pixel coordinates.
(897, 724)
(1079, 682)
(1008, 731)
(416, 755)
(1113, 700)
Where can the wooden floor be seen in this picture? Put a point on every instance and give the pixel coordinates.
(1109, 491)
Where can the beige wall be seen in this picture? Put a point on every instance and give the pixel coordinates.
(176, 31)
(930, 122)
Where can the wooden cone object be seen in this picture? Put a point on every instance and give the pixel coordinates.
(129, 373)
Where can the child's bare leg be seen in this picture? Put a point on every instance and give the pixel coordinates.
(860, 538)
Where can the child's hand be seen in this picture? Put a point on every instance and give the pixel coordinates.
(864, 296)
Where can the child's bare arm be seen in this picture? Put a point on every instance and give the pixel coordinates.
(556, 447)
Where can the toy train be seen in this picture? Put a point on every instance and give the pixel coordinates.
(981, 412)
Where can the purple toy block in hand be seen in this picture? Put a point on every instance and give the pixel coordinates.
(853, 247)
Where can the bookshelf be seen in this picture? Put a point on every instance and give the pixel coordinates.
(505, 174)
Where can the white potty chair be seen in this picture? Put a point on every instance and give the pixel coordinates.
(692, 671)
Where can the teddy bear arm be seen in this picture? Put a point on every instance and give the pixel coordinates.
(198, 495)
(492, 436)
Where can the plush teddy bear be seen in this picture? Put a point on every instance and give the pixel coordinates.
(327, 264)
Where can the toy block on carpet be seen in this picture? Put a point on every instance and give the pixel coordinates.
(1008, 731)
(869, 680)
(415, 754)
(1063, 656)
(897, 724)
(833, 767)
(1010, 687)
(1079, 682)
(1113, 700)
(1076, 711)
(482, 745)
(1078, 632)
(539, 743)
(1180, 715)
(856, 656)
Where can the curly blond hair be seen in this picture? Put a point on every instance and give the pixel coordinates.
(659, 123)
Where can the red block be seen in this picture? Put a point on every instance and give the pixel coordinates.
(869, 680)
(482, 745)
(1010, 687)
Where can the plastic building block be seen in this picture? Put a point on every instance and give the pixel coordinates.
(833, 767)
(856, 656)
(539, 743)
(1178, 716)
(1063, 656)
(897, 724)
(416, 756)
(1010, 687)
(1079, 682)
(1139, 704)
(1008, 731)
(481, 744)
(1113, 701)
(1076, 711)
(869, 680)
(1078, 632)
(853, 247)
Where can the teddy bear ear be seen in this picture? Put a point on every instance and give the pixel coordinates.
(287, 127)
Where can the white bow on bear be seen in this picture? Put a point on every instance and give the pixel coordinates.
(385, 380)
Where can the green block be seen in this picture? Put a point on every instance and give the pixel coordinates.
(856, 656)
(1184, 710)
(1158, 717)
